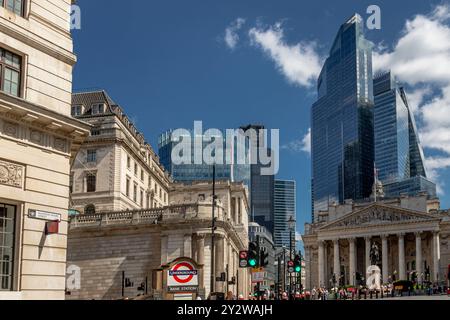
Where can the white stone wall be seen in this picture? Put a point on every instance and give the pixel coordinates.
(103, 256)
(35, 134)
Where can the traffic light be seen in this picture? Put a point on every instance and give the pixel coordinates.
(264, 259)
(243, 259)
(253, 255)
(291, 267)
(298, 264)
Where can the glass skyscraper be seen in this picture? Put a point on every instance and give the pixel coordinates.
(399, 157)
(189, 173)
(261, 187)
(342, 121)
(284, 208)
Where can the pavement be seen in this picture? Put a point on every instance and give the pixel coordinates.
(422, 298)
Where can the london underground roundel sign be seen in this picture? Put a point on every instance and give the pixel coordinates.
(182, 273)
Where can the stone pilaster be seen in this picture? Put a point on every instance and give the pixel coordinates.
(219, 260)
(401, 257)
(321, 264)
(201, 249)
(368, 262)
(436, 257)
(352, 262)
(419, 259)
(187, 246)
(385, 255)
(337, 261)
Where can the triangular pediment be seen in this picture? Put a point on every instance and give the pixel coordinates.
(379, 214)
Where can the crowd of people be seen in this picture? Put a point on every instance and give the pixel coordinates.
(349, 293)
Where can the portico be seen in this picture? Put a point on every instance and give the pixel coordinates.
(407, 241)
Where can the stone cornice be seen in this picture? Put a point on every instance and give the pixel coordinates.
(39, 115)
(38, 43)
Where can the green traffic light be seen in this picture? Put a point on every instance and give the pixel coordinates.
(298, 269)
(252, 262)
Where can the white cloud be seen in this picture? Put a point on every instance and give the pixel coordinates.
(417, 97)
(231, 33)
(298, 236)
(421, 59)
(434, 165)
(422, 54)
(300, 145)
(299, 63)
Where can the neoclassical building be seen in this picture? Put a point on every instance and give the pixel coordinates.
(412, 234)
(38, 143)
(141, 244)
(116, 169)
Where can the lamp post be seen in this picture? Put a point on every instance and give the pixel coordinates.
(213, 230)
(291, 224)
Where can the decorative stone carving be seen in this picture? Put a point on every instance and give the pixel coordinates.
(10, 129)
(376, 216)
(60, 144)
(11, 174)
(36, 137)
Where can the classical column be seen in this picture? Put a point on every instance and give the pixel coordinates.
(352, 261)
(187, 243)
(164, 249)
(337, 261)
(384, 252)
(201, 249)
(401, 257)
(419, 259)
(219, 261)
(368, 262)
(436, 257)
(321, 264)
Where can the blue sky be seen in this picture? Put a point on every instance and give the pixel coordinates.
(169, 63)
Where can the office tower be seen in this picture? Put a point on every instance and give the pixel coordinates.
(189, 173)
(399, 157)
(284, 208)
(342, 121)
(261, 186)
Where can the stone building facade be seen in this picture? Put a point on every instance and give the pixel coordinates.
(142, 243)
(116, 169)
(38, 142)
(412, 234)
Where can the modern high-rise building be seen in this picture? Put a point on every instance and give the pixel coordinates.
(261, 186)
(399, 157)
(191, 172)
(342, 121)
(284, 208)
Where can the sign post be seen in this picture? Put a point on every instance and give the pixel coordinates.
(182, 277)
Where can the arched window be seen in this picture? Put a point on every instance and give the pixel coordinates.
(89, 209)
